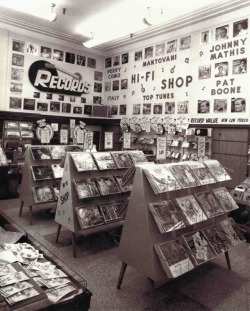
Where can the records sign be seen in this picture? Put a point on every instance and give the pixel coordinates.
(108, 140)
(161, 148)
(126, 140)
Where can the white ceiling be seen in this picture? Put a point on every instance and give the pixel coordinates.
(73, 26)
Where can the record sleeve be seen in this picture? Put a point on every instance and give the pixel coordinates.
(217, 239)
(225, 199)
(86, 188)
(104, 160)
(174, 257)
(137, 156)
(57, 152)
(43, 194)
(41, 172)
(227, 228)
(124, 187)
(166, 216)
(40, 153)
(160, 178)
(122, 160)
(217, 170)
(191, 209)
(184, 175)
(107, 185)
(209, 203)
(109, 211)
(83, 161)
(89, 216)
(202, 173)
(57, 171)
(198, 246)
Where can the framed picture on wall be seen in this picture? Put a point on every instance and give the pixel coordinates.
(42, 106)
(124, 84)
(55, 106)
(125, 58)
(114, 110)
(97, 87)
(32, 48)
(108, 62)
(238, 104)
(70, 58)
(204, 72)
(205, 37)
(149, 52)
(146, 108)
(220, 105)
(45, 52)
(16, 88)
(17, 60)
(138, 55)
(28, 104)
(18, 45)
(49, 96)
(58, 55)
(160, 49)
(87, 110)
(240, 28)
(136, 109)
(203, 106)
(66, 107)
(107, 86)
(123, 110)
(116, 85)
(91, 62)
(222, 32)
(83, 100)
(169, 107)
(116, 60)
(221, 69)
(97, 100)
(81, 60)
(157, 108)
(182, 106)
(17, 74)
(98, 75)
(36, 94)
(185, 43)
(15, 102)
(171, 46)
(239, 66)
(77, 110)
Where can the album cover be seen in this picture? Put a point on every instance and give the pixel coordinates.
(109, 211)
(209, 203)
(174, 257)
(137, 156)
(86, 188)
(225, 199)
(107, 185)
(202, 172)
(184, 175)
(217, 170)
(57, 152)
(227, 227)
(104, 160)
(160, 178)
(89, 216)
(122, 208)
(57, 170)
(41, 172)
(40, 153)
(198, 246)
(122, 160)
(83, 161)
(217, 239)
(166, 216)
(191, 209)
(124, 187)
(43, 194)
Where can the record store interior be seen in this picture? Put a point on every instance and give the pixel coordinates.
(124, 155)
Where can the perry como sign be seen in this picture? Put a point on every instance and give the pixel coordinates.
(45, 77)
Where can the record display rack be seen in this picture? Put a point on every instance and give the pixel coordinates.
(72, 197)
(39, 184)
(141, 233)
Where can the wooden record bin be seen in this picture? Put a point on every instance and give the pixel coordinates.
(140, 232)
(69, 200)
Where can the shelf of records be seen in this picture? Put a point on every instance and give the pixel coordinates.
(18, 130)
(179, 146)
(31, 279)
(183, 213)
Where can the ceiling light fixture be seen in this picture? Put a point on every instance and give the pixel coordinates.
(52, 17)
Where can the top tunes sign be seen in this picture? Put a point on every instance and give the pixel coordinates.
(44, 76)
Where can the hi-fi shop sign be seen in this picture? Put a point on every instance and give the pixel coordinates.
(45, 77)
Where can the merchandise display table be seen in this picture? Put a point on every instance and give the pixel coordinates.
(79, 301)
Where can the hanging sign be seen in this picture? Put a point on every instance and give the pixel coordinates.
(161, 148)
(63, 136)
(47, 135)
(126, 140)
(108, 140)
(88, 140)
